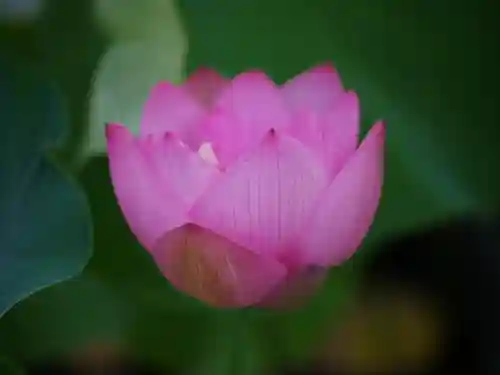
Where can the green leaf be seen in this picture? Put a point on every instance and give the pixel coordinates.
(64, 318)
(230, 346)
(9, 367)
(124, 77)
(126, 20)
(20, 11)
(70, 44)
(45, 233)
(132, 66)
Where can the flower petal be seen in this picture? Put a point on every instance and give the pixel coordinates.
(333, 134)
(177, 166)
(245, 111)
(149, 207)
(346, 210)
(316, 89)
(205, 85)
(261, 202)
(215, 270)
(171, 108)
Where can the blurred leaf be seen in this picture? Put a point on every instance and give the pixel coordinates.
(131, 66)
(124, 77)
(63, 319)
(231, 347)
(171, 339)
(20, 10)
(71, 45)
(44, 220)
(126, 20)
(8, 367)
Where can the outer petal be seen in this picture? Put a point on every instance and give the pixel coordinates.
(316, 89)
(345, 212)
(244, 113)
(215, 270)
(205, 85)
(333, 134)
(150, 207)
(171, 108)
(261, 202)
(177, 166)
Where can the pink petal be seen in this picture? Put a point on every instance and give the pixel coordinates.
(261, 202)
(333, 134)
(344, 214)
(316, 89)
(215, 270)
(171, 108)
(177, 166)
(244, 113)
(205, 85)
(150, 207)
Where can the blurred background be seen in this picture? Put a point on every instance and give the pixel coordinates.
(79, 296)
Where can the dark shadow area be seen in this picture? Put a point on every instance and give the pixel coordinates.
(428, 304)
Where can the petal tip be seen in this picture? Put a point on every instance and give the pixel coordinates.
(203, 71)
(159, 89)
(352, 95)
(113, 130)
(325, 67)
(251, 76)
(379, 128)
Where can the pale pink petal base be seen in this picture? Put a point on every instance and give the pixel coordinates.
(215, 270)
(346, 210)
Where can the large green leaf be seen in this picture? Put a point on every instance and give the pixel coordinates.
(9, 367)
(149, 45)
(64, 318)
(70, 44)
(126, 20)
(45, 233)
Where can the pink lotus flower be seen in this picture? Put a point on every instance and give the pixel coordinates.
(241, 189)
